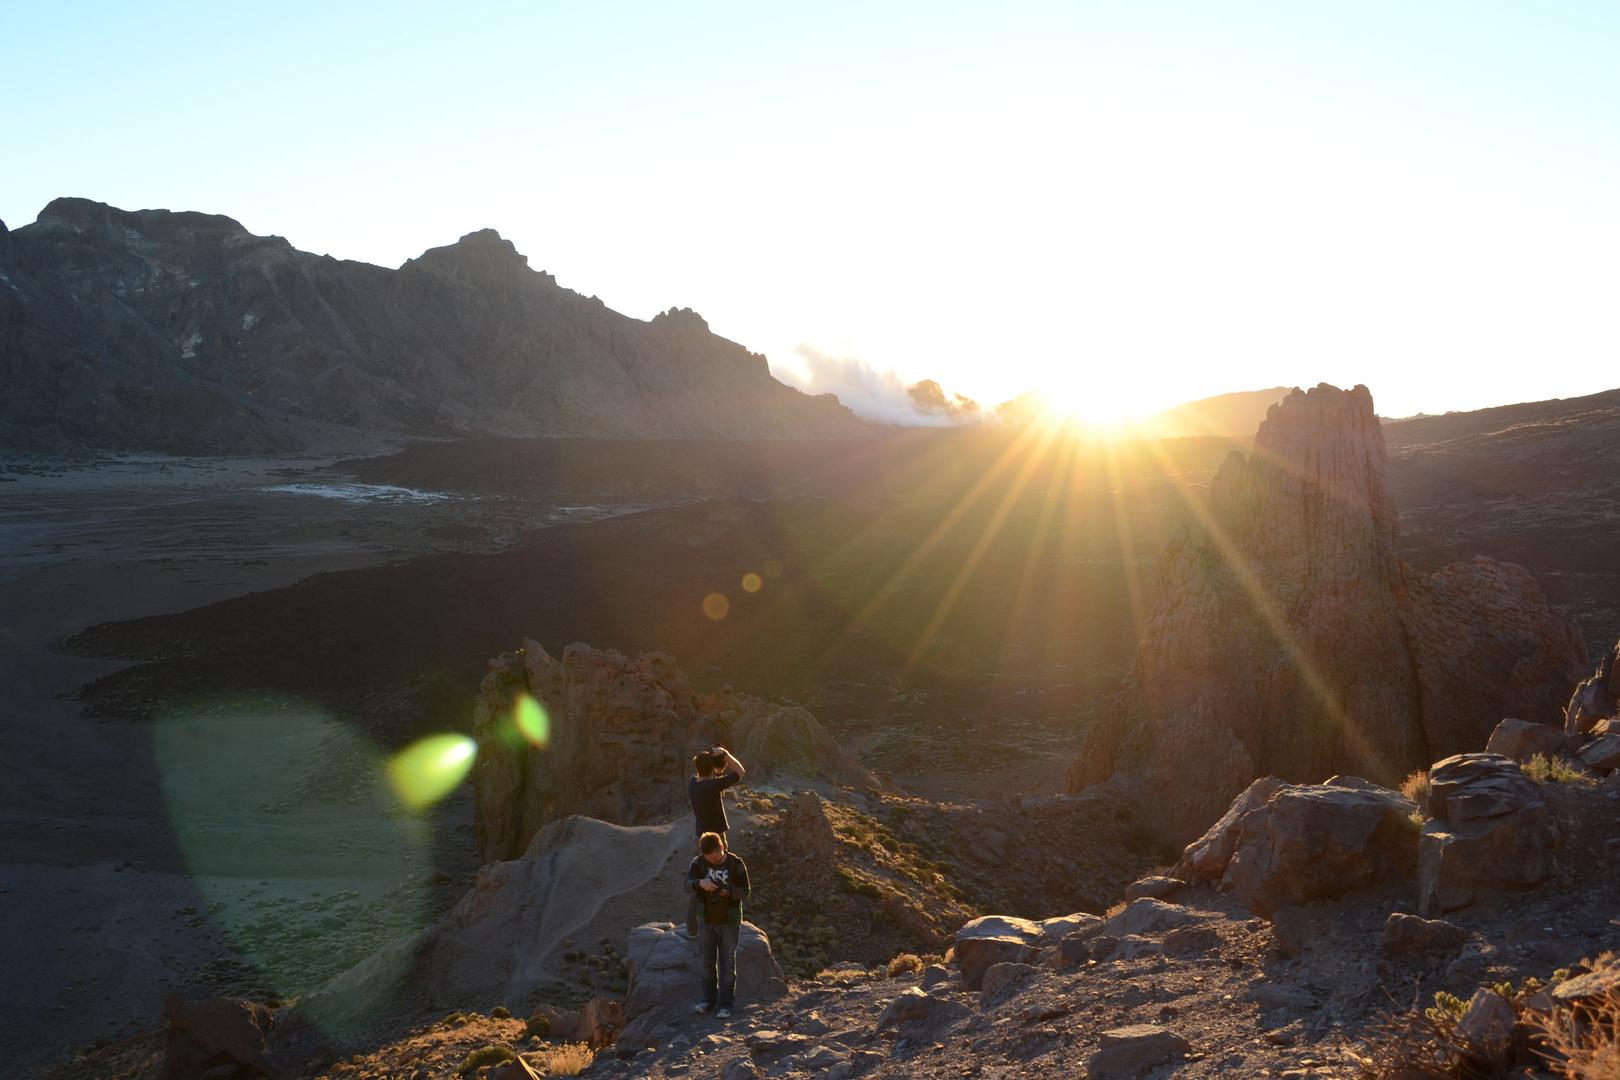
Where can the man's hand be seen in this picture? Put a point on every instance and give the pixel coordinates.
(706, 885)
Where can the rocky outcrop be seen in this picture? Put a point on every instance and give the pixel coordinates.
(1288, 639)
(185, 332)
(1491, 831)
(615, 741)
(1595, 699)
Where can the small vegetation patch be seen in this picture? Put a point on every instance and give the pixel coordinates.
(1554, 770)
(569, 1059)
(904, 964)
(484, 1055)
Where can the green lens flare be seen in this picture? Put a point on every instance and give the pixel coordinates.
(531, 719)
(429, 769)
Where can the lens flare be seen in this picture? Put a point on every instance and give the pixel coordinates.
(773, 569)
(429, 769)
(751, 583)
(531, 719)
(716, 606)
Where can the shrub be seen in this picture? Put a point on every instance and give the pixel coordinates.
(453, 1017)
(1416, 788)
(904, 963)
(484, 1055)
(569, 1059)
(539, 1026)
(1545, 770)
(500, 1012)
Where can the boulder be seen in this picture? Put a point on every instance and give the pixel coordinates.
(600, 1022)
(1522, 740)
(1320, 841)
(1491, 832)
(215, 1034)
(1206, 858)
(1000, 979)
(1127, 1051)
(934, 974)
(1488, 1025)
(1410, 939)
(1602, 753)
(1146, 916)
(976, 955)
(664, 963)
(916, 1006)
(1155, 888)
(741, 1069)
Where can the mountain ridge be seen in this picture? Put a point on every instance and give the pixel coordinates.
(183, 331)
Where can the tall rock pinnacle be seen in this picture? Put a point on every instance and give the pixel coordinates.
(1288, 639)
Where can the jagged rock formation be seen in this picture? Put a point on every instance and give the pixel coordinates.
(622, 734)
(185, 332)
(1288, 639)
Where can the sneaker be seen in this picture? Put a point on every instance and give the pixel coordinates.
(724, 1013)
(702, 1007)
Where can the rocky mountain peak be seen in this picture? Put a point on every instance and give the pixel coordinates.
(1289, 640)
(102, 222)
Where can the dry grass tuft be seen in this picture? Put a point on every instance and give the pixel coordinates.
(484, 1055)
(569, 1059)
(1416, 788)
(904, 963)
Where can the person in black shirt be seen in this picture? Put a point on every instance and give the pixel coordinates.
(718, 880)
(714, 771)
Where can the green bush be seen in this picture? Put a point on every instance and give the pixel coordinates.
(484, 1055)
(500, 1012)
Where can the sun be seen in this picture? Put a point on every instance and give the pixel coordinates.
(1097, 409)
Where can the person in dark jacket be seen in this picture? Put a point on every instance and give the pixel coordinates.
(718, 880)
(714, 770)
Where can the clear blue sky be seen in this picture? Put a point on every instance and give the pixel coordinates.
(1139, 203)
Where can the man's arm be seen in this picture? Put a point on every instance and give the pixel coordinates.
(694, 875)
(732, 764)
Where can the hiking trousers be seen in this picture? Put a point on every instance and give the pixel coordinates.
(717, 946)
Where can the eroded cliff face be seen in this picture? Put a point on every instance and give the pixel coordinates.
(622, 732)
(186, 332)
(1289, 640)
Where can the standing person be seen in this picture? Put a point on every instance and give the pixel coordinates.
(719, 881)
(704, 790)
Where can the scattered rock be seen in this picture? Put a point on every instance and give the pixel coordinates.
(770, 1045)
(1191, 941)
(1409, 939)
(914, 1006)
(741, 1069)
(999, 979)
(934, 974)
(1156, 888)
(1320, 841)
(1127, 1051)
(1271, 996)
(1147, 916)
(1287, 1035)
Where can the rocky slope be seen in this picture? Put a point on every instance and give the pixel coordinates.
(1289, 639)
(184, 332)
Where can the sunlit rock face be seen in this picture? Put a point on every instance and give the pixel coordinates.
(185, 332)
(619, 737)
(1289, 640)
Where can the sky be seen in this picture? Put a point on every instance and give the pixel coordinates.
(1129, 204)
